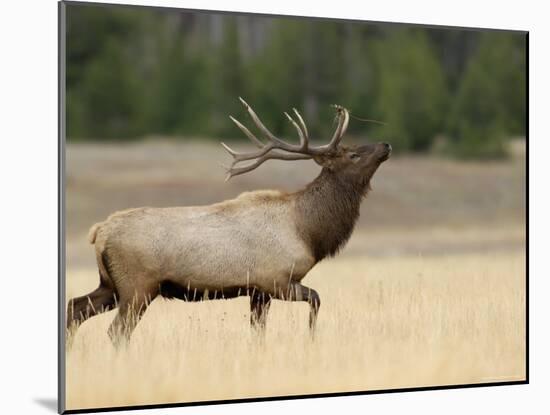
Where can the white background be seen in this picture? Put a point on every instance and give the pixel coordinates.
(28, 223)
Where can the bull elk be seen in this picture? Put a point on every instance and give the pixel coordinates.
(260, 244)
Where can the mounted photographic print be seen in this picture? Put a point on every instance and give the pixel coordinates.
(259, 207)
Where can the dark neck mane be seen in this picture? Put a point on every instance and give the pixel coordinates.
(326, 212)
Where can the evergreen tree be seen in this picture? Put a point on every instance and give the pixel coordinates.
(134, 71)
(490, 105)
(411, 90)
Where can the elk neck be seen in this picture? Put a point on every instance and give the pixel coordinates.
(327, 210)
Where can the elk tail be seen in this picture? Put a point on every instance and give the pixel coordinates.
(102, 259)
(93, 232)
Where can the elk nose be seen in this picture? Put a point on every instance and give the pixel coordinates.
(387, 146)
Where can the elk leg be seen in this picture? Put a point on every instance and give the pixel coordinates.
(299, 292)
(259, 306)
(130, 311)
(314, 303)
(80, 309)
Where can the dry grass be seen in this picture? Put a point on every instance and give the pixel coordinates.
(429, 291)
(384, 323)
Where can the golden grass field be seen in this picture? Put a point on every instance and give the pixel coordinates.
(429, 291)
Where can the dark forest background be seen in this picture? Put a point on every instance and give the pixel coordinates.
(137, 72)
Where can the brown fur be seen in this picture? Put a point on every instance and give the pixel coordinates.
(326, 212)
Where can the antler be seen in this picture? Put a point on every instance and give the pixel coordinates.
(267, 151)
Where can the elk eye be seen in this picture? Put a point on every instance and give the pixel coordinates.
(354, 156)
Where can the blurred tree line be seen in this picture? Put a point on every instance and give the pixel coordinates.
(133, 72)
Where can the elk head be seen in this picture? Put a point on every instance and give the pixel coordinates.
(354, 163)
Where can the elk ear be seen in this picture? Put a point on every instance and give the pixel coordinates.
(324, 161)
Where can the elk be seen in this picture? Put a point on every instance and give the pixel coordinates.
(260, 244)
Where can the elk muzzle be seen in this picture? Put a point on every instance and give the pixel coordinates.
(384, 151)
